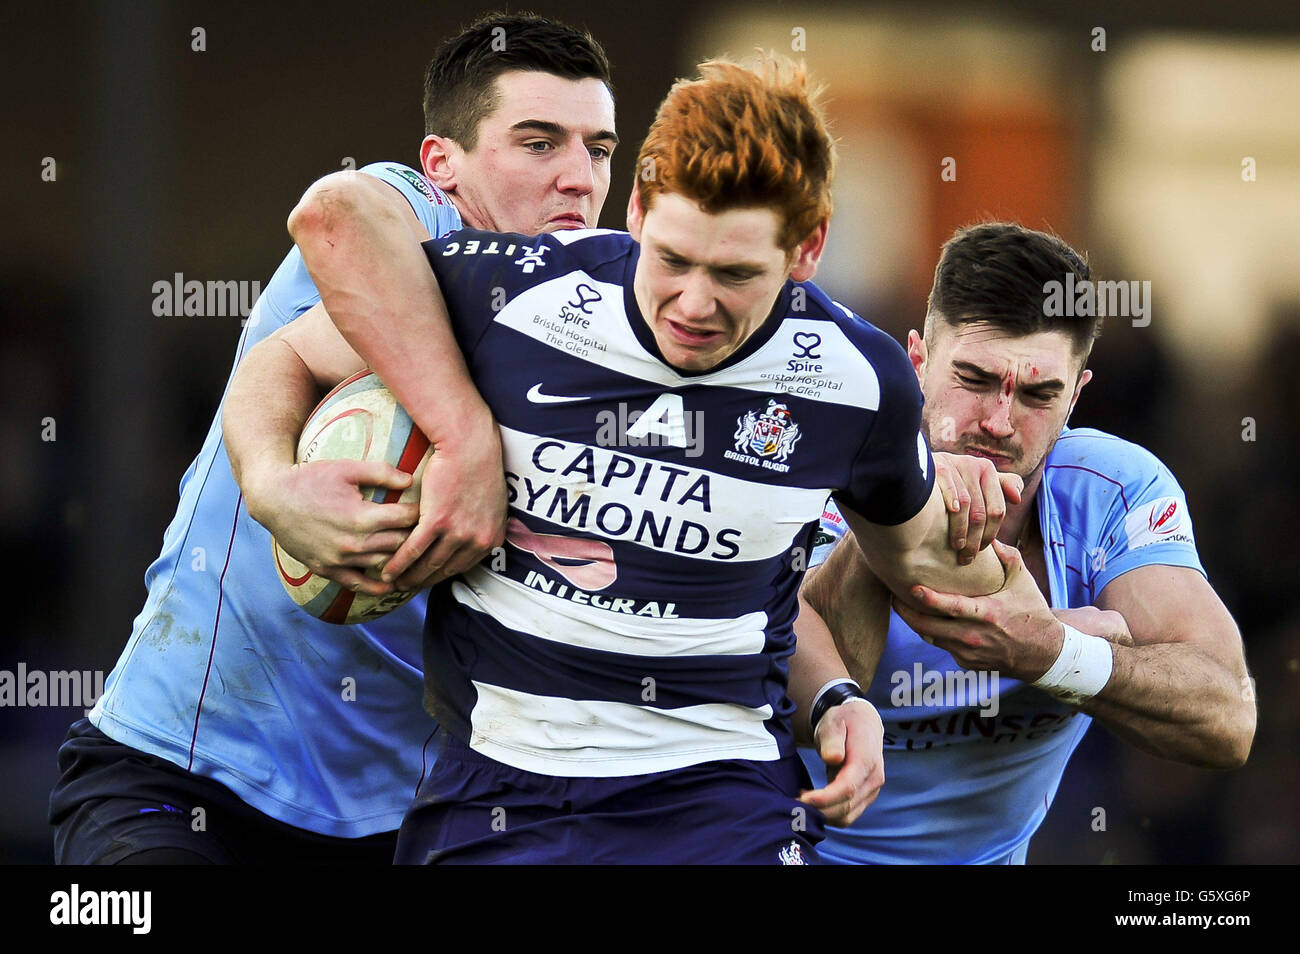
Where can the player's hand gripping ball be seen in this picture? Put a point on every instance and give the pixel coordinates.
(359, 420)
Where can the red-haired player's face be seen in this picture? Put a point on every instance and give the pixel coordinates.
(706, 282)
(541, 162)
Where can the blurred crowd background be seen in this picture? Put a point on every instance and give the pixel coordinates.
(1162, 138)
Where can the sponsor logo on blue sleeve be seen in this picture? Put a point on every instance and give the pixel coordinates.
(1160, 521)
(421, 184)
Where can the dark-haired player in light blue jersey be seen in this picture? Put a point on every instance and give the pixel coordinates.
(617, 688)
(235, 727)
(1106, 614)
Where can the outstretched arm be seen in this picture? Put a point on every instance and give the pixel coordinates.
(918, 551)
(853, 599)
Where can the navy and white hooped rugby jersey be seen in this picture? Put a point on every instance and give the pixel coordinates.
(641, 619)
(973, 762)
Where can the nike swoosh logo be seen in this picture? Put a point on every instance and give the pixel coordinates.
(537, 397)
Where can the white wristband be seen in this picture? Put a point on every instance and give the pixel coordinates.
(1081, 670)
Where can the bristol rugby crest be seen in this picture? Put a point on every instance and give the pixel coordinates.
(765, 439)
(791, 855)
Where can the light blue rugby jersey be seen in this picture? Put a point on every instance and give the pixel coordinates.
(963, 788)
(642, 617)
(226, 677)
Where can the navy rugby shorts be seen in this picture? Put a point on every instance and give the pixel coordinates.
(474, 810)
(117, 805)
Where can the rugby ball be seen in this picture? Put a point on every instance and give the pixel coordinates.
(358, 420)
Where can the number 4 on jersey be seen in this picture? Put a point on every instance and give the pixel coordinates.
(665, 418)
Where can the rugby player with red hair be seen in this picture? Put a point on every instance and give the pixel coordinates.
(651, 428)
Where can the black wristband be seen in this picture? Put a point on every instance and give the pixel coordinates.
(839, 693)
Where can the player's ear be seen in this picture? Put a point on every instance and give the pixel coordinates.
(635, 215)
(1084, 378)
(438, 159)
(808, 252)
(916, 351)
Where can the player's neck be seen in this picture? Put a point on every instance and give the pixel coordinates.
(471, 221)
(469, 216)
